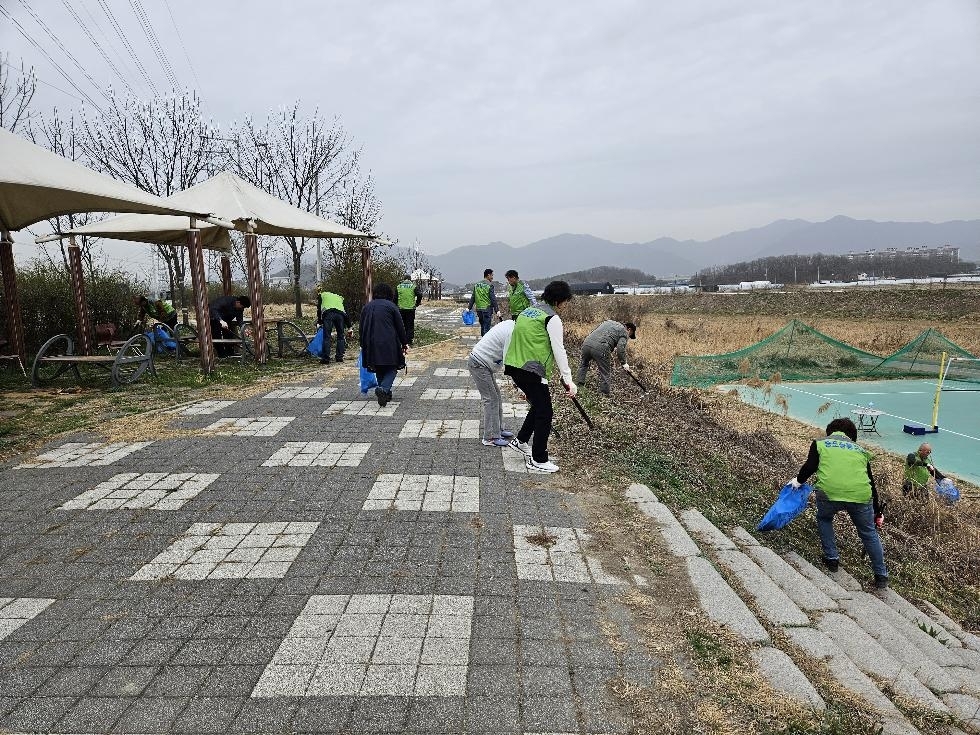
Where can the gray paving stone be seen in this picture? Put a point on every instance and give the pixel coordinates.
(969, 640)
(720, 602)
(769, 599)
(675, 537)
(799, 589)
(704, 529)
(743, 537)
(964, 707)
(824, 583)
(784, 676)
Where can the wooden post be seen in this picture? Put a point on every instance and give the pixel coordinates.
(367, 269)
(82, 321)
(255, 294)
(195, 256)
(11, 304)
(225, 275)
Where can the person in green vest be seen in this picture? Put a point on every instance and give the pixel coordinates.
(331, 314)
(519, 294)
(409, 298)
(485, 301)
(536, 346)
(845, 483)
(919, 469)
(160, 309)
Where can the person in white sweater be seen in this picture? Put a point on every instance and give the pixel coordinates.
(486, 359)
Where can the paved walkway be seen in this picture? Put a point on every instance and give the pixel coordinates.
(304, 562)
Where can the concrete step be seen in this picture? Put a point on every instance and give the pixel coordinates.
(966, 708)
(969, 640)
(675, 537)
(818, 645)
(721, 604)
(874, 615)
(829, 586)
(705, 530)
(909, 611)
(969, 682)
(773, 604)
(873, 659)
(800, 589)
(784, 676)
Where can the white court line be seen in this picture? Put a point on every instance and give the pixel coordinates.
(883, 413)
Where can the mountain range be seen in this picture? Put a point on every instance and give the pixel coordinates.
(667, 257)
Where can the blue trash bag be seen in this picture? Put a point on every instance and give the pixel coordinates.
(469, 317)
(947, 491)
(315, 347)
(790, 503)
(368, 379)
(160, 340)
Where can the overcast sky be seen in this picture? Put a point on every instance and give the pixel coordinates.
(502, 120)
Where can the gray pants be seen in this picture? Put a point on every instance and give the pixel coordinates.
(493, 408)
(602, 358)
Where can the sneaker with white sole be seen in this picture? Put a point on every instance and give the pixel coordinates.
(504, 434)
(522, 447)
(548, 466)
(498, 442)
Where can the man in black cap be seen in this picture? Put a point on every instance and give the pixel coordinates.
(223, 313)
(599, 346)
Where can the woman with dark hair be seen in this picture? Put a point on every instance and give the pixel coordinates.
(536, 346)
(384, 341)
(845, 483)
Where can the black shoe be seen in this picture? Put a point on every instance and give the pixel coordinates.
(832, 564)
(881, 582)
(340, 358)
(382, 395)
(324, 360)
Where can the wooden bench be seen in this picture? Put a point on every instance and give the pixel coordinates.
(132, 359)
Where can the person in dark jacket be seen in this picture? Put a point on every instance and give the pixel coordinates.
(845, 483)
(605, 339)
(227, 314)
(160, 309)
(384, 341)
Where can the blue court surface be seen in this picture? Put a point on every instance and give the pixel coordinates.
(956, 448)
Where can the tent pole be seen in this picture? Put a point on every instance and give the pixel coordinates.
(196, 258)
(255, 293)
(11, 304)
(225, 275)
(368, 270)
(82, 320)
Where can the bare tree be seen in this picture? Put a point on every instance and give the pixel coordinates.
(303, 161)
(162, 146)
(17, 88)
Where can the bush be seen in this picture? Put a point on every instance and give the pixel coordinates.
(345, 277)
(48, 307)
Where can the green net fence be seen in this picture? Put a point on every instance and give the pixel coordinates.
(798, 352)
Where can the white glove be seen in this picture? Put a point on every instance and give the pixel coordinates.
(224, 324)
(626, 367)
(571, 389)
(795, 483)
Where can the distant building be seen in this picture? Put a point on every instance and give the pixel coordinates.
(948, 252)
(589, 289)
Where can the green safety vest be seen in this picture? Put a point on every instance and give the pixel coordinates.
(406, 295)
(165, 307)
(530, 345)
(842, 474)
(918, 474)
(329, 300)
(481, 296)
(518, 299)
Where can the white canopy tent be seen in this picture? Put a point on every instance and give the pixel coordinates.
(36, 184)
(251, 211)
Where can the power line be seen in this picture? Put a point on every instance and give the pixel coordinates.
(47, 56)
(57, 41)
(108, 41)
(126, 45)
(155, 44)
(98, 46)
(48, 84)
(187, 56)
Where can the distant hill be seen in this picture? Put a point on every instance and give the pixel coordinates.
(599, 274)
(666, 257)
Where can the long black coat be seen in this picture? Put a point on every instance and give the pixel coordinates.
(382, 335)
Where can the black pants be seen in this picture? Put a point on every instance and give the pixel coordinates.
(539, 416)
(171, 320)
(219, 332)
(408, 317)
(333, 320)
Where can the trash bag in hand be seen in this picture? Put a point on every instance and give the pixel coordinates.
(368, 379)
(469, 317)
(315, 347)
(790, 503)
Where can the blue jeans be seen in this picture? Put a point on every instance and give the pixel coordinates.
(386, 377)
(333, 319)
(863, 517)
(485, 318)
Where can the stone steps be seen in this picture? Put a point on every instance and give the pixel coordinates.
(862, 638)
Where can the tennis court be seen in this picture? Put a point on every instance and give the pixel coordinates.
(956, 448)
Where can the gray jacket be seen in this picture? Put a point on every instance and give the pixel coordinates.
(609, 336)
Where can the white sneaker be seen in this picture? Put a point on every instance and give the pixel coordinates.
(548, 466)
(520, 446)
